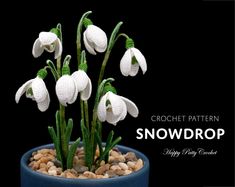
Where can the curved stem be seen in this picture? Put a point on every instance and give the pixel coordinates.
(122, 34)
(79, 30)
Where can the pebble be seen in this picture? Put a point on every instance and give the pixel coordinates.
(89, 175)
(123, 166)
(102, 169)
(44, 161)
(139, 164)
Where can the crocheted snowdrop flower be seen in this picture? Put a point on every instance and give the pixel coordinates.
(47, 41)
(132, 60)
(94, 38)
(66, 90)
(37, 91)
(68, 87)
(113, 108)
(83, 84)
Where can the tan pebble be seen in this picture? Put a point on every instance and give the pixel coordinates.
(131, 165)
(34, 153)
(62, 174)
(42, 165)
(99, 176)
(70, 175)
(102, 169)
(44, 159)
(106, 176)
(127, 172)
(119, 172)
(82, 177)
(81, 162)
(52, 152)
(89, 175)
(81, 156)
(114, 153)
(59, 171)
(43, 151)
(52, 172)
(75, 160)
(115, 167)
(42, 169)
(102, 163)
(49, 164)
(123, 166)
(111, 173)
(38, 156)
(53, 168)
(130, 156)
(111, 158)
(34, 165)
(139, 164)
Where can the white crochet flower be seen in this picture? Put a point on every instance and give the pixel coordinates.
(94, 39)
(83, 84)
(68, 87)
(113, 108)
(37, 91)
(129, 68)
(47, 41)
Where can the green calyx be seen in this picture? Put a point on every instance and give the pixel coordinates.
(55, 31)
(83, 66)
(129, 43)
(66, 70)
(87, 22)
(109, 88)
(42, 73)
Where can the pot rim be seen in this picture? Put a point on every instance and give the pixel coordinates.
(25, 158)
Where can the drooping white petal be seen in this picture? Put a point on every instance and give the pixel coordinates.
(101, 109)
(58, 48)
(111, 118)
(81, 79)
(125, 65)
(98, 37)
(140, 59)
(74, 98)
(88, 45)
(131, 107)
(43, 106)
(124, 111)
(86, 93)
(116, 103)
(39, 89)
(47, 38)
(22, 90)
(134, 69)
(37, 48)
(65, 89)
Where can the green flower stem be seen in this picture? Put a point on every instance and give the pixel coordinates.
(122, 35)
(79, 30)
(86, 114)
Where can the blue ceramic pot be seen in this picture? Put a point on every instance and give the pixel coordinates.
(30, 178)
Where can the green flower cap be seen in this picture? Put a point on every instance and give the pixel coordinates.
(109, 88)
(129, 43)
(42, 73)
(55, 31)
(66, 70)
(87, 22)
(83, 66)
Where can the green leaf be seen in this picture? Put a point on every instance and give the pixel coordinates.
(99, 141)
(109, 139)
(56, 143)
(69, 129)
(113, 36)
(71, 153)
(87, 145)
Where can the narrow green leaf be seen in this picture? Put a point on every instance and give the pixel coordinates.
(69, 129)
(86, 144)
(71, 153)
(113, 36)
(109, 139)
(56, 143)
(99, 141)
